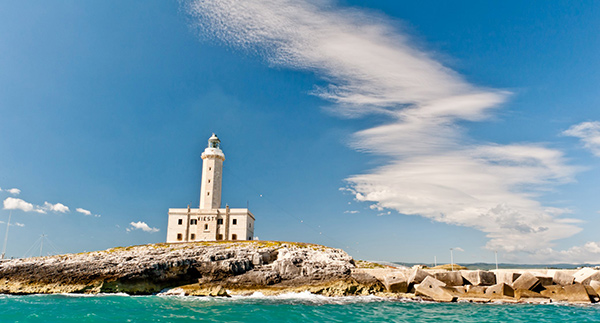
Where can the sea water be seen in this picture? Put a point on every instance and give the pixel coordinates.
(302, 307)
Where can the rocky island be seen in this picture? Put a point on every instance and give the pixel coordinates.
(273, 267)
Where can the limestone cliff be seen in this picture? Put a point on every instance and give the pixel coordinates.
(209, 266)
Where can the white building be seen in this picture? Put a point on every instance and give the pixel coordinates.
(210, 222)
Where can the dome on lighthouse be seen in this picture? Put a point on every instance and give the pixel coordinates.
(214, 142)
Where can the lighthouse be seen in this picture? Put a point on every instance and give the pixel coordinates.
(210, 222)
(212, 174)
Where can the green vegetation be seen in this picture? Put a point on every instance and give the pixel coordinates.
(369, 265)
(450, 267)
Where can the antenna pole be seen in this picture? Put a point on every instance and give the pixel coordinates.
(496, 254)
(6, 236)
(42, 243)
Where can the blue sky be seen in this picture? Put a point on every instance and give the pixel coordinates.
(394, 130)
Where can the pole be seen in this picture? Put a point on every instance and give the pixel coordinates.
(434, 261)
(451, 260)
(496, 254)
(42, 243)
(6, 236)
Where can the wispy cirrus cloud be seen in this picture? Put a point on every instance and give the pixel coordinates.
(141, 226)
(433, 169)
(588, 133)
(16, 224)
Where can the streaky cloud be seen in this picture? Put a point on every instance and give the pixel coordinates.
(433, 169)
(588, 133)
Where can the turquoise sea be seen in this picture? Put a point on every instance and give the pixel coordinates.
(287, 308)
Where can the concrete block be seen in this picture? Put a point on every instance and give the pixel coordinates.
(595, 285)
(479, 277)
(592, 293)
(526, 293)
(395, 283)
(576, 293)
(450, 278)
(586, 275)
(562, 278)
(544, 280)
(526, 281)
(554, 292)
(433, 288)
(507, 277)
(417, 276)
(501, 289)
(459, 289)
(476, 289)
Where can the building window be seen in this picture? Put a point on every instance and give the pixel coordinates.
(249, 238)
(249, 225)
(192, 236)
(209, 180)
(234, 221)
(234, 237)
(219, 237)
(206, 227)
(180, 221)
(210, 168)
(193, 221)
(219, 221)
(179, 237)
(207, 193)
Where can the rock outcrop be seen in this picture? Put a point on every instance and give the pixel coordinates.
(149, 269)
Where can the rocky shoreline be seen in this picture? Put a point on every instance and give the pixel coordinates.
(272, 267)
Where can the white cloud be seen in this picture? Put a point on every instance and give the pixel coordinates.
(433, 169)
(14, 224)
(11, 203)
(13, 191)
(83, 211)
(351, 211)
(587, 253)
(58, 207)
(141, 226)
(589, 133)
(86, 212)
(458, 249)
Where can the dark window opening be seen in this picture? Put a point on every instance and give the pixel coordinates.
(193, 221)
(192, 236)
(206, 227)
(179, 237)
(219, 237)
(207, 193)
(234, 237)
(219, 221)
(209, 180)
(234, 221)
(180, 221)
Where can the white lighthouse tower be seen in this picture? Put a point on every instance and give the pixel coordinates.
(210, 222)
(212, 174)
